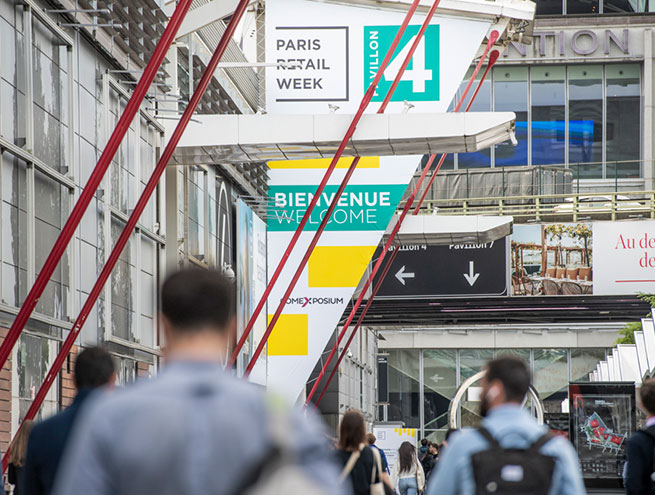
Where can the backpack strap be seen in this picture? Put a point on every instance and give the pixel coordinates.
(354, 457)
(489, 437)
(541, 441)
(377, 464)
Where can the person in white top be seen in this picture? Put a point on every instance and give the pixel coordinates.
(407, 473)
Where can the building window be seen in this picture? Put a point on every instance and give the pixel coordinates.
(404, 382)
(482, 103)
(511, 95)
(623, 127)
(34, 356)
(559, 7)
(586, 120)
(583, 117)
(548, 106)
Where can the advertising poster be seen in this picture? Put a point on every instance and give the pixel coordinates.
(602, 417)
(552, 259)
(389, 438)
(625, 255)
(251, 282)
(326, 285)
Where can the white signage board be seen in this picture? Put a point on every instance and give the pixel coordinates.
(337, 49)
(624, 257)
(390, 437)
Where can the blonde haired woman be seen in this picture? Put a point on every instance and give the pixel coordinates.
(17, 451)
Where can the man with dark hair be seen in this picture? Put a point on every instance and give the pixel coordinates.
(509, 426)
(195, 428)
(641, 446)
(94, 368)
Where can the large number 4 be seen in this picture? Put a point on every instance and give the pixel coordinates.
(418, 74)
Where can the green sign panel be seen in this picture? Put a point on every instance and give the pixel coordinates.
(420, 81)
(360, 207)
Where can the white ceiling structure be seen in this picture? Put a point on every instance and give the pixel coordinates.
(258, 138)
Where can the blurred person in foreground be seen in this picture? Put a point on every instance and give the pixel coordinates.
(407, 472)
(94, 368)
(17, 454)
(195, 428)
(474, 462)
(641, 446)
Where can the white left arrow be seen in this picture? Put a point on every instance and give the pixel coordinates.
(471, 276)
(402, 275)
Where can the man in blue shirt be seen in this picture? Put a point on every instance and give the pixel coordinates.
(195, 429)
(505, 385)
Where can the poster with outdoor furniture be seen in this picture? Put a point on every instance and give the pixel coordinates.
(552, 260)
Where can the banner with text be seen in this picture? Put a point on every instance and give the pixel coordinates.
(331, 53)
(624, 257)
(337, 263)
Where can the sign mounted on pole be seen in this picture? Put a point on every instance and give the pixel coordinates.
(442, 271)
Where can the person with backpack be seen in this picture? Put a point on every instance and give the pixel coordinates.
(641, 446)
(423, 449)
(510, 452)
(407, 472)
(196, 428)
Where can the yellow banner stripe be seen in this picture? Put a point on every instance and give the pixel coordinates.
(323, 163)
(290, 336)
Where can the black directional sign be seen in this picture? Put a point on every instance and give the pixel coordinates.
(456, 270)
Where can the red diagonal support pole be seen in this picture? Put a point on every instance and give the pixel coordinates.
(492, 39)
(134, 217)
(341, 189)
(98, 173)
(368, 96)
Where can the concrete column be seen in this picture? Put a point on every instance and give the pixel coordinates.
(648, 127)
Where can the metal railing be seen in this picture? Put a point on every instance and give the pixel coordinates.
(552, 207)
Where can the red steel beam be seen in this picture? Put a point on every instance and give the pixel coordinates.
(134, 217)
(368, 96)
(492, 39)
(341, 189)
(95, 178)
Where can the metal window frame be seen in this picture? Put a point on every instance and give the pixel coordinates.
(111, 212)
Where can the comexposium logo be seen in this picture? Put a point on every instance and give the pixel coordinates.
(303, 301)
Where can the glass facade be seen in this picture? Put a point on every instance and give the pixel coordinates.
(439, 373)
(591, 7)
(584, 117)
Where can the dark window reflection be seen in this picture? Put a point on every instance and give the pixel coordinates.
(404, 387)
(550, 7)
(624, 6)
(548, 136)
(586, 121)
(623, 121)
(582, 7)
(482, 103)
(511, 95)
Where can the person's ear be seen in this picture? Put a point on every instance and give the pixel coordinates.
(167, 332)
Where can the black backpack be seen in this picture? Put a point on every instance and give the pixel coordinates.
(499, 471)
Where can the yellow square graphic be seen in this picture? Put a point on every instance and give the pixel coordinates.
(290, 336)
(338, 266)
